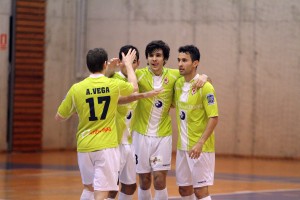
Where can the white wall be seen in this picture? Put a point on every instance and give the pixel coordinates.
(250, 49)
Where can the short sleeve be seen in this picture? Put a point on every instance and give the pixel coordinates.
(67, 107)
(209, 100)
(126, 88)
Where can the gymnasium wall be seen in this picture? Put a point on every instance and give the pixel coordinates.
(250, 49)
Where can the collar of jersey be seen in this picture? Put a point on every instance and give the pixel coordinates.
(163, 71)
(96, 75)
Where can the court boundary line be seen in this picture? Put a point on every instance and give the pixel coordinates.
(244, 192)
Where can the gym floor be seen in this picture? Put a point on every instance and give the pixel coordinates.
(55, 175)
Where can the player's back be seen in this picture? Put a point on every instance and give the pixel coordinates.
(95, 101)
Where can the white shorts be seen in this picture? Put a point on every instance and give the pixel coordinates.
(100, 168)
(127, 164)
(152, 153)
(197, 172)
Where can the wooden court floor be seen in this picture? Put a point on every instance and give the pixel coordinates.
(55, 175)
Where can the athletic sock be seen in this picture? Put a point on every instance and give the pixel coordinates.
(191, 197)
(206, 198)
(161, 194)
(144, 194)
(123, 196)
(87, 195)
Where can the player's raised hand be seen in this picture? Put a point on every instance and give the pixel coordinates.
(129, 57)
(111, 67)
(113, 63)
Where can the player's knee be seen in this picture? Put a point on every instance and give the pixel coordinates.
(185, 191)
(145, 181)
(89, 187)
(128, 189)
(112, 194)
(201, 192)
(159, 183)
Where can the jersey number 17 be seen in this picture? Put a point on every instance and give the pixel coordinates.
(90, 101)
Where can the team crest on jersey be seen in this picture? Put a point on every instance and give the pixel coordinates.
(182, 115)
(210, 99)
(194, 91)
(166, 80)
(158, 104)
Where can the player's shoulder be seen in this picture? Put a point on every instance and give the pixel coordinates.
(180, 80)
(208, 85)
(141, 71)
(208, 88)
(172, 71)
(118, 76)
(79, 84)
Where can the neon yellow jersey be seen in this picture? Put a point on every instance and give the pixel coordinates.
(124, 115)
(95, 100)
(193, 110)
(152, 114)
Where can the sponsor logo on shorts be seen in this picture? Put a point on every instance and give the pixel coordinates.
(155, 160)
(202, 181)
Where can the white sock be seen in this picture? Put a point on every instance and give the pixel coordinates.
(206, 198)
(123, 196)
(110, 199)
(87, 195)
(191, 197)
(144, 194)
(161, 194)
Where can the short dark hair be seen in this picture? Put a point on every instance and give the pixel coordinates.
(192, 50)
(95, 59)
(158, 44)
(125, 49)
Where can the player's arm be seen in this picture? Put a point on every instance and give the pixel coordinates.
(66, 109)
(59, 118)
(197, 149)
(128, 60)
(136, 96)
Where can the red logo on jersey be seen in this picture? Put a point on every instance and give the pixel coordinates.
(166, 80)
(106, 129)
(193, 91)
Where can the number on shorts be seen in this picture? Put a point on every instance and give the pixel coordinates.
(136, 159)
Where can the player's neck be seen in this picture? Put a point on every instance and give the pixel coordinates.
(189, 77)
